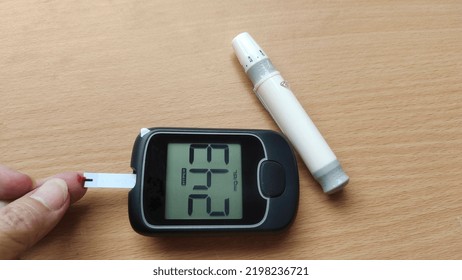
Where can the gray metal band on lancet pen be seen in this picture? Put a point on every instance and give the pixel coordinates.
(260, 70)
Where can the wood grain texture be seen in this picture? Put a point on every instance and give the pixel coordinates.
(382, 80)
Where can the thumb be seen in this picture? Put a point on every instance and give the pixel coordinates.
(28, 219)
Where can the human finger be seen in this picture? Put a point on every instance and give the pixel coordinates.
(14, 184)
(28, 219)
(75, 182)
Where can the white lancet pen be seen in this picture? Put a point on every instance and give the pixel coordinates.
(288, 113)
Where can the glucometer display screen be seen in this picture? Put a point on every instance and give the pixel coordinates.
(203, 181)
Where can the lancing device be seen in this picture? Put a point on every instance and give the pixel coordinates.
(275, 95)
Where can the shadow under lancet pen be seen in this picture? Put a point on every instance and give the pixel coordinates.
(283, 106)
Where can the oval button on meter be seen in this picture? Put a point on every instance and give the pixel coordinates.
(272, 178)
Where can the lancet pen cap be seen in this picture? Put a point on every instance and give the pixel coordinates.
(248, 52)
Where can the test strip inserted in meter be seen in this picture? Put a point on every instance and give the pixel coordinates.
(208, 180)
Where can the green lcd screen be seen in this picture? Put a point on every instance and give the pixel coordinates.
(203, 181)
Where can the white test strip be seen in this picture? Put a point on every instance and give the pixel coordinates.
(109, 180)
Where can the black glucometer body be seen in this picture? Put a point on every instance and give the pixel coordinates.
(190, 179)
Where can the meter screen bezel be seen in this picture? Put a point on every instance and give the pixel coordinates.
(153, 187)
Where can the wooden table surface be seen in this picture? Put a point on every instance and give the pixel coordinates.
(382, 80)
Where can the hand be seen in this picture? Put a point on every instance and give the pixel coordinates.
(34, 208)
